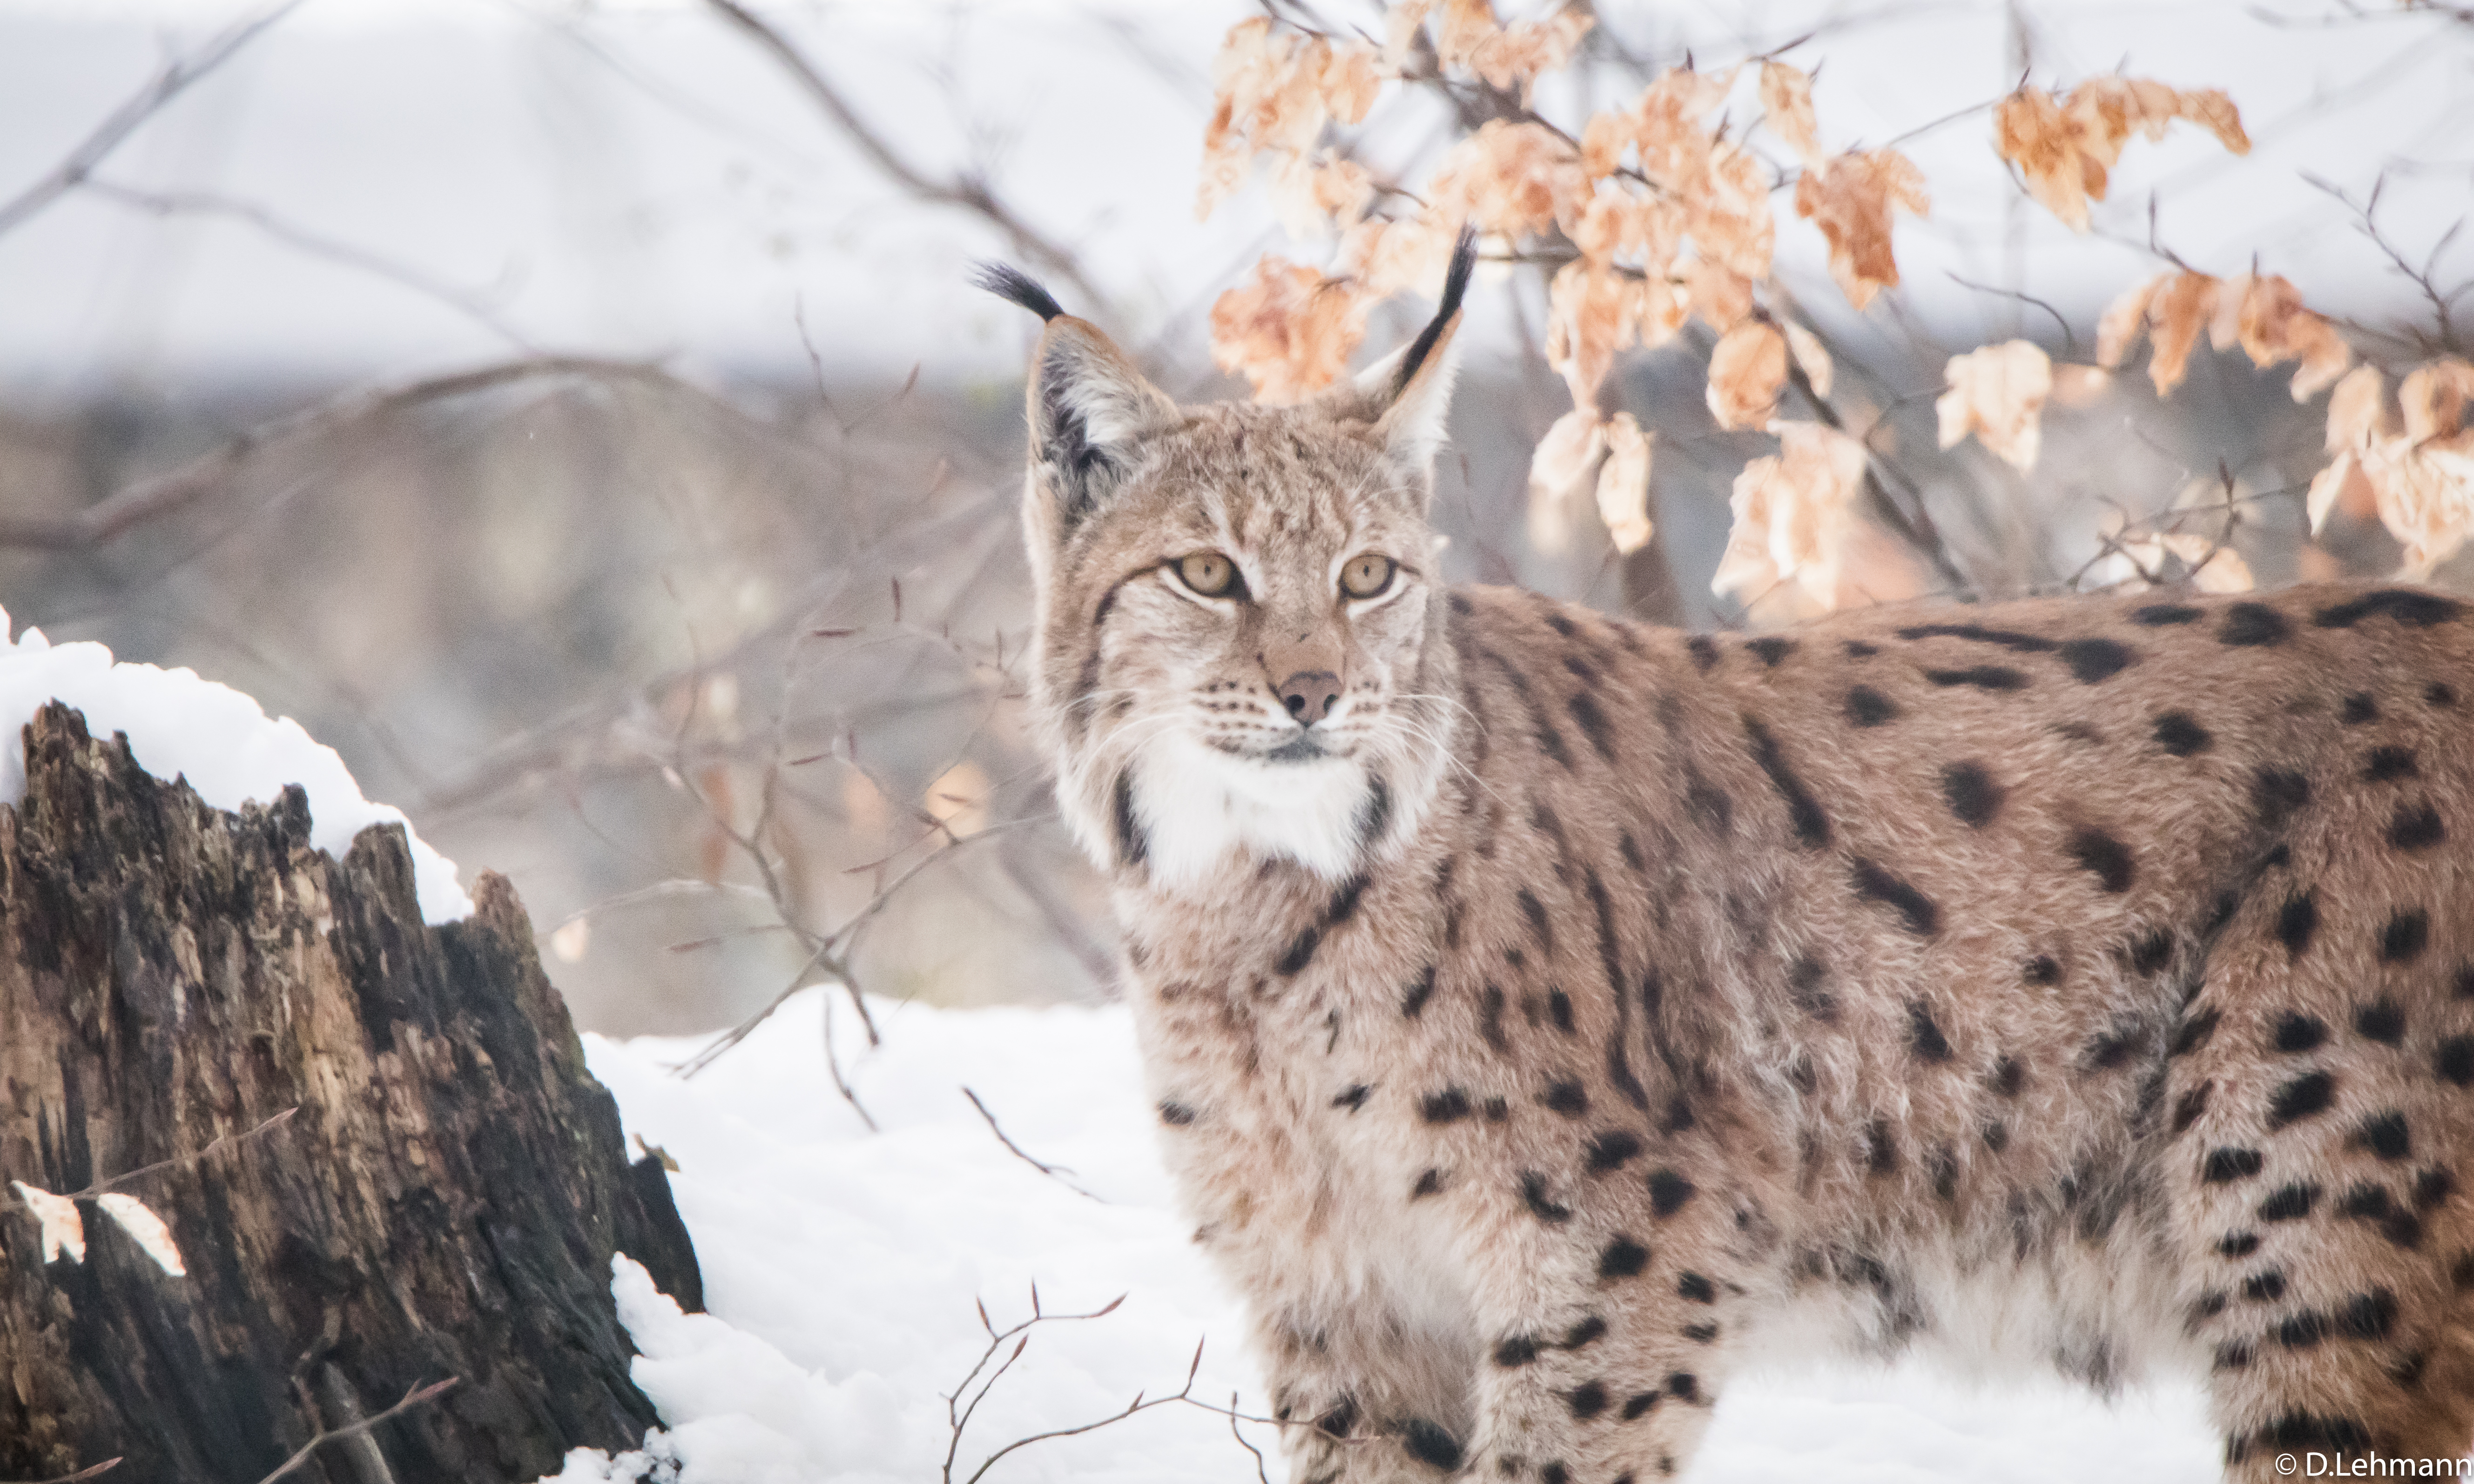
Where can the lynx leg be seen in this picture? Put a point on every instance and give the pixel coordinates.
(2323, 1108)
(1370, 1400)
(1605, 1336)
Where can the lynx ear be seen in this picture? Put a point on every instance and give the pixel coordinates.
(1408, 394)
(1090, 410)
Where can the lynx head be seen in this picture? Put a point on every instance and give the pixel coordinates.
(1239, 653)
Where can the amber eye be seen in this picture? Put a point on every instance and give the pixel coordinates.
(1209, 573)
(1367, 575)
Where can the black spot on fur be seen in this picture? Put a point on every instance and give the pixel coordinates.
(1336, 1422)
(2098, 660)
(2152, 952)
(1517, 1352)
(2301, 1429)
(1623, 1257)
(2382, 1021)
(1704, 653)
(1430, 1444)
(1559, 1009)
(1997, 1137)
(1175, 1114)
(2290, 1202)
(2302, 1330)
(1701, 1334)
(1880, 1150)
(2253, 624)
(1668, 1191)
(1593, 724)
(1684, 1386)
(1708, 804)
(2189, 1106)
(1803, 987)
(1586, 1400)
(2296, 922)
(1497, 1111)
(1876, 884)
(1924, 1035)
(2237, 1246)
(2297, 1033)
(2439, 693)
(2417, 828)
(1588, 1331)
(1354, 1098)
(1133, 849)
(2195, 1033)
(2454, 1061)
(2359, 708)
(2042, 969)
(2264, 1288)
(1679, 1116)
(2413, 609)
(2388, 764)
(1811, 825)
(2110, 1051)
(1420, 989)
(1858, 649)
(1697, 1289)
(2433, 1188)
(2180, 736)
(1869, 707)
(2406, 936)
(2224, 1166)
(1569, 1098)
(2007, 638)
(1973, 795)
(1638, 1404)
(1611, 1149)
(2104, 857)
(2009, 1075)
(1771, 649)
(1489, 1015)
(2306, 1096)
(1983, 677)
(2368, 1316)
(2160, 616)
(1427, 1185)
(2276, 793)
(1450, 1106)
(2389, 1136)
(1533, 1194)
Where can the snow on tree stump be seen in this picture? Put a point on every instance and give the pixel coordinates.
(444, 1202)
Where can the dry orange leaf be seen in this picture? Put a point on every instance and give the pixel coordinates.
(2263, 315)
(1787, 107)
(1273, 90)
(1623, 484)
(1512, 56)
(2065, 150)
(1746, 369)
(1793, 516)
(1512, 180)
(1591, 314)
(1811, 356)
(2433, 398)
(1287, 329)
(1850, 200)
(1998, 394)
(1561, 465)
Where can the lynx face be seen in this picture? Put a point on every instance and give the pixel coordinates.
(1237, 615)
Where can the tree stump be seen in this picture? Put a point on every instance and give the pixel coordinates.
(444, 1202)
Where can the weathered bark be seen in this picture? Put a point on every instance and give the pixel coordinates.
(444, 1202)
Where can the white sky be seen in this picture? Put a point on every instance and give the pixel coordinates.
(636, 179)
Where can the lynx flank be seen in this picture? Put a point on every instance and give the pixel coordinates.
(1550, 1016)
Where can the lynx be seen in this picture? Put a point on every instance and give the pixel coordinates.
(1551, 1015)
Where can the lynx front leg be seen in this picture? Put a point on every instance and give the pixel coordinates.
(1605, 1330)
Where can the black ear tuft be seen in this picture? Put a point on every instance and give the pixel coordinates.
(1455, 284)
(1008, 283)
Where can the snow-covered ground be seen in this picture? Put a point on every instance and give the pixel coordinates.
(845, 1270)
(842, 1269)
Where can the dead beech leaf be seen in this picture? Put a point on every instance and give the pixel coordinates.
(1849, 199)
(2065, 150)
(1787, 107)
(1387, 257)
(1560, 469)
(2433, 398)
(1473, 41)
(145, 1227)
(2176, 315)
(1721, 297)
(1792, 516)
(2080, 386)
(1623, 484)
(2341, 486)
(1287, 327)
(64, 1228)
(1591, 313)
(1998, 394)
(1402, 20)
(1811, 357)
(2274, 326)
(1311, 196)
(1730, 218)
(1746, 369)
(2124, 322)
(1512, 180)
(1273, 90)
(2357, 410)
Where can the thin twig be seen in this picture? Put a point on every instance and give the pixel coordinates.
(967, 191)
(175, 79)
(411, 1398)
(2070, 340)
(87, 1472)
(1055, 1172)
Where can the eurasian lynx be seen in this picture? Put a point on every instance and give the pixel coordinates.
(1548, 1012)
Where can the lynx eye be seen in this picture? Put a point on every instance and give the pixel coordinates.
(1367, 576)
(1211, 574)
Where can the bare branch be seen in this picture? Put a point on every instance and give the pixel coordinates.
(87, 1473)
(226, 1141)
(966, 190)
(414, 1398)
(2070, 340)
(1055, 1172)
(169, 84)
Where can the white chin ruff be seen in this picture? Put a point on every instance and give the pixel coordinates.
(1197, 805)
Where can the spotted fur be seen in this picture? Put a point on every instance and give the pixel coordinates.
(1580, 1010)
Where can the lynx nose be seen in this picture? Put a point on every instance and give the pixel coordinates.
(1310, 694)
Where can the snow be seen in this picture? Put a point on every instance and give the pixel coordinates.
(180, 725)
(841, 1268)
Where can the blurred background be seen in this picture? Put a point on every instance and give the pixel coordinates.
(574, 413)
